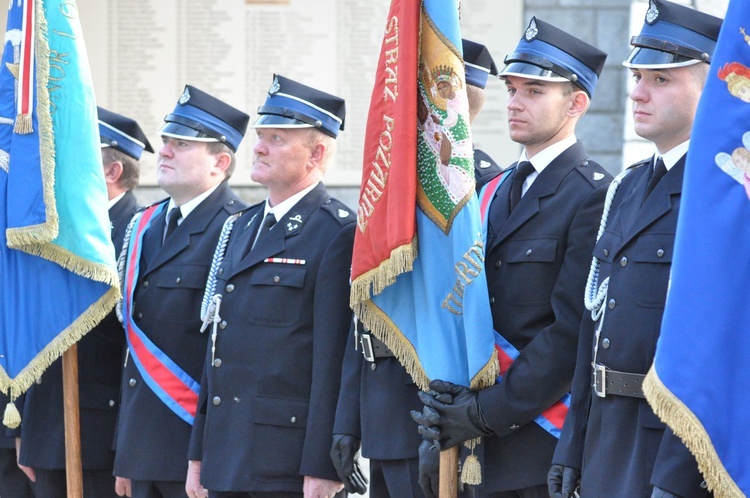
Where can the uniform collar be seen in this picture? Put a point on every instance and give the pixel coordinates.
(193, 203)
(543, 158)
(282, 208)
(115, 200)
(671, 157)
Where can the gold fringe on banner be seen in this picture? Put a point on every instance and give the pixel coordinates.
(23, 124)
(72, 334)
(683, 422)
(372, 283)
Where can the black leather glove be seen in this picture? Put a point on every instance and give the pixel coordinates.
(429, 468)
(344, 456)
(662, 493)
(459, 416)
(562, 481)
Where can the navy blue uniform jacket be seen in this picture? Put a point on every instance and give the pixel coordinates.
(269, 393)
(152, 442)
(619, 442)
(99, 368)
(536, 264)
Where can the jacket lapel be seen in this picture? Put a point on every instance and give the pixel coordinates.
(545, 185)
(274, 242)
(658, 204)
(196, 222)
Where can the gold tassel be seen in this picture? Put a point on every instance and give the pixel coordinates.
(23, 124)
(471, 471)
(11, 417)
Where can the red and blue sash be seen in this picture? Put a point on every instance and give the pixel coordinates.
(551, 420)
(172, 385)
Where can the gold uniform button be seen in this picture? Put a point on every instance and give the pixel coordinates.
(132, 382)
(230, 287)
(217, 401)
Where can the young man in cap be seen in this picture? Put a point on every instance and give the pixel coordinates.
(376, 392)
(542, 227)
(167, 259)
(42, 435)
(280, 316)
(612, 440)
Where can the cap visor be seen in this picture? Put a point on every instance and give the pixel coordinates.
(276, 121)
(530, 71)
(648, 58)
(177, 130)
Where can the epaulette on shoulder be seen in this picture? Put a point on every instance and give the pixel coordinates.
(640, 163)
(247, 209)
(594, 173)
(339, 211)
(143, 208)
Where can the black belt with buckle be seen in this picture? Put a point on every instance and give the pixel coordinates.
(372, 347)
(611, 382)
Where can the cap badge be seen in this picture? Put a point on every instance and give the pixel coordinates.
(653, 13)
(343, 213)
(531, 31)
(185, 96)
(597, 176)
(275, 86)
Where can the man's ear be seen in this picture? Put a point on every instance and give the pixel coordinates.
(579, 104)
(317, 154)
(223, 160)
(113, 172)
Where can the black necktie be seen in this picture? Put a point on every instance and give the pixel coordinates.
(268, 222)
(659, 171)
(173, 217)
(523, 170)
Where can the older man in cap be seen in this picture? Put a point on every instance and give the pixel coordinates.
(542, 227)
(612, 440)
(166, 263)
(42, 435)
(279, 316)
(376, 392)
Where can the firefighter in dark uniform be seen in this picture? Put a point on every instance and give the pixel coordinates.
(376, 392)
(100, 352)
(612, 440)
(279, 314)
(541, 230)
(168, 254)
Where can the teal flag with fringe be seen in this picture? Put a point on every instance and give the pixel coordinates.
(57, 262)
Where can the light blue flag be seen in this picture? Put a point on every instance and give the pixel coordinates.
(700, 380)
(57, 262)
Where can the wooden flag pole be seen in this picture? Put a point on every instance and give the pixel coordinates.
(73, 466)
(449, 473)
